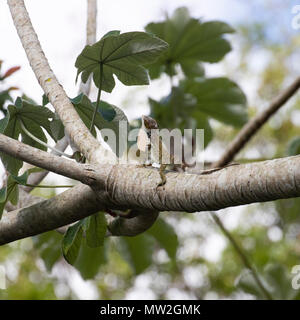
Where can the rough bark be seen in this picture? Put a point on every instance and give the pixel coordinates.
(131, 187)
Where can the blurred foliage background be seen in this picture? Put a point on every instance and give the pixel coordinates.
(186, 256)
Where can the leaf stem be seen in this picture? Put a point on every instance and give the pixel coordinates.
(30, 135)
(98, 98)
(45, 186)
(242, 255)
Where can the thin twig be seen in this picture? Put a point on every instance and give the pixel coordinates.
(242, 255)
(244, 136)
(37, 177)
(30, 135)
(91, 31)
(252, 126)
(48, 186)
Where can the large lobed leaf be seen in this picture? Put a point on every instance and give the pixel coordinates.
(108, 117)
(34, 118)
(219, 98)
(190, 43)
(122, 55)
(177, 110)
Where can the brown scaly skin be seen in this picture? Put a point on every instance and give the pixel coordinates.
(149, 124)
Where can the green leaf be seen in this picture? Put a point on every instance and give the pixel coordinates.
(178, 110)
(107, 111)
(3, 200)
(122, 55)
(9, 193)
(138, 251)
(11, 127)
(49, 246)
(21, 179)
(4, 96)
(166, 236)
(90, 259)
(192, 69)
(190, 42)
(3, 192)
(57, 129)
(37, 131)
(294, 147)
(111, 33)
(34, 119)
(95, 230)
(219, 98)
(107, 117)
(71, 242)
(85, 109)
(45, 100)
(3, 123)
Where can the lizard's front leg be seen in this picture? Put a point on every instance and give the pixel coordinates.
(162, 175)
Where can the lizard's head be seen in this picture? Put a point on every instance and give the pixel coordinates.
(149, 122)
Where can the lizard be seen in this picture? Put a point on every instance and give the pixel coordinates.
(148, 136)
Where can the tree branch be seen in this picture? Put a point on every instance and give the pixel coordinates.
(242, 255)
(91, 31)
(45, 160)
(129, 186)
(36, 177)
(252, 126)
(73, 124)
(68, 207)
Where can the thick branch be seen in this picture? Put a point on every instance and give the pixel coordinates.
(252, 126)
(68, 207)
(129, 186)
(45, 160)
